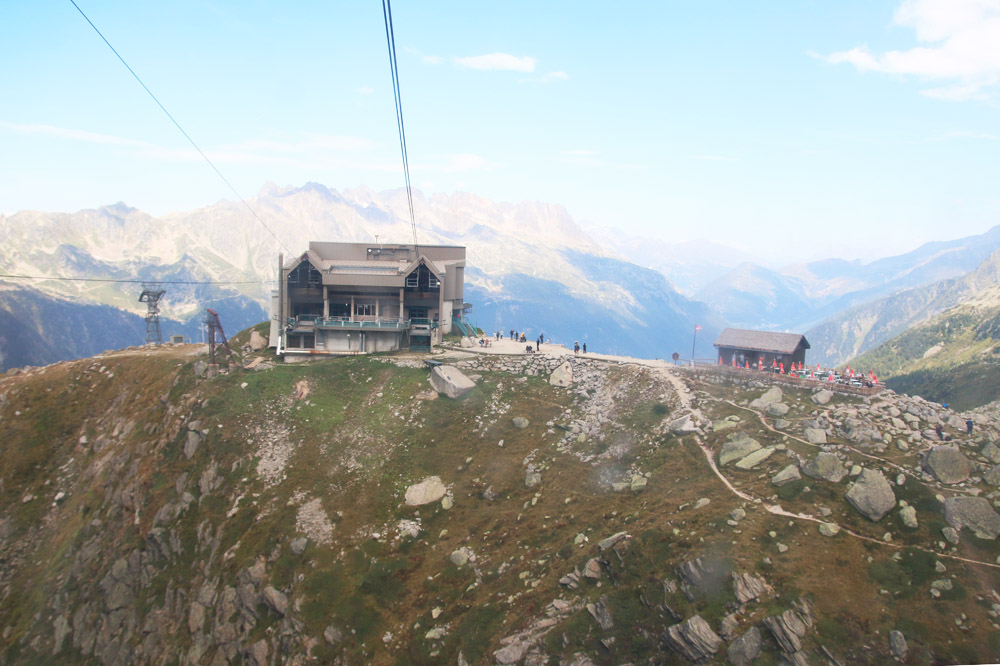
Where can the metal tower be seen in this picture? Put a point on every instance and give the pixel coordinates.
(216, 336)
(151, 295)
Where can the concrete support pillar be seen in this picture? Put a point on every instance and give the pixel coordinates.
(401, 312)
(326, 302)
(352, 308)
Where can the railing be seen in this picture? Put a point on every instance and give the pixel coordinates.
(423, 321)
(820, 381)
(346, 323)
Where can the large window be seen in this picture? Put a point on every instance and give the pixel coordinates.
(364, 309)
(417, 313)
(301, 341)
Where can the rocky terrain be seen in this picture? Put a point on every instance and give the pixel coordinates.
(557, 510)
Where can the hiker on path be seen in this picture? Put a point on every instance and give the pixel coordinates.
(576, 347)
(968, 426)
(584, 347)
(940, 431)
(538, 343)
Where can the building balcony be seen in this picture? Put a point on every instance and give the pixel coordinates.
(344, 323)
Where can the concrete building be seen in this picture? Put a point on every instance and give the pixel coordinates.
(764, 346)
(356, 298)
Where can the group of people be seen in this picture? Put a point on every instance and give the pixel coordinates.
(521, 336)
(939, 429)
(576, 347)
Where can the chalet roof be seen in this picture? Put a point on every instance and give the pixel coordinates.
(767, 341)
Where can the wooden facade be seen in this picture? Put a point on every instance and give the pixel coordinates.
(764, 347)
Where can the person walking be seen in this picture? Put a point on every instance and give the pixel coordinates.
(576, 347)
(584, 347)
(538, 343)
(940, 432)
(968, 426)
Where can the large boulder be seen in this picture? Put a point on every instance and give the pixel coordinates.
(694, 639)
(872, 495)
(562, 376)
(429, 490)
(685, 425)
(739, 446)
(450, 381)
(975, 513)
(257, 341)
(755, 458)
(745, 649)
(947, 464)
(815, 435)
(992, 476)
(786, 476)
(991, 452)
(822, 397)
(826, 466)
(770, 396)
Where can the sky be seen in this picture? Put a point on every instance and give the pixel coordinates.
(794, 128)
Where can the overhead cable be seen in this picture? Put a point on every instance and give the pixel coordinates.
(131, 281)
(181, 129)
(390, 38)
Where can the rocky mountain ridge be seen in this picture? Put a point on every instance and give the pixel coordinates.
(581, 510)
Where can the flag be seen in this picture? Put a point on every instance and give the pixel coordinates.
(697, 327)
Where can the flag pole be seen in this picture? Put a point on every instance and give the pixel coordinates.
(693, 339)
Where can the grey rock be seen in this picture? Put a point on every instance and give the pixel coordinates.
(199, 368)
(520, 422)
(950, 535)
(562, 376)
(592, 569)
(777, 409)
(826, 466)
(461, 557)
(729, 626)
(974, 513)
(685, 425)
(786, 476)
(532, 477)
(745, 649)
(511, 654)
(298, 545)
(770, 396)
(872, 495)
(192, 443)
(737, 448)
(789, 628)
(822, 397)
(450, 381)
(992, 476)
(332, 635)
(599, 611)
(748, 587)
(427, 491)
(947, 464)
(638, 483)
(60, 630)
(694, 639)
(897, 644)
(755, 458)
(275, 600)
(829, 529)
(256, 654)
(991, 452)
(702, 573)
(610, 541)
(909, 516)
(196, 617)
(815, 436)
(257, 341)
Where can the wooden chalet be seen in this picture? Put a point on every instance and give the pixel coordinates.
(764, 346)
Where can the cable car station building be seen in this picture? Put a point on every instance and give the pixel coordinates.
(356, 298)
(767, 347)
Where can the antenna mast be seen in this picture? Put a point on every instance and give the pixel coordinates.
(151, 294)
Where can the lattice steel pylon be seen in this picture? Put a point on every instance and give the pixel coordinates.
(216, 336)
(151, 294)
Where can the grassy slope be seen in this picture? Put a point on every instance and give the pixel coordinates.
(360, 438)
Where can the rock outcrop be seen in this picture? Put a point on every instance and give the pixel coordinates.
(872, 495)
(694, 639)
(450, 381)
(975, 513)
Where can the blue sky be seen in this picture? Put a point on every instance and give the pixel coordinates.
(803, 128)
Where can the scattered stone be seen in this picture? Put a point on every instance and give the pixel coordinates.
(974, 513)
(694, 639)
(257, 341)
(872, 495)
(782, 548)
(789, 627)
(897, 644)
(332, 635)
(191, 445)
(702, 502)
(429, 490)
(826, 466)
(991, 452)
(532, 477)
(592, 569)
(992, 476)
(950, 535)
(909, 516)
(738, 514)
(599, 611)
(770, 396)
(511, 654)
(829, 529)
(450, 381)
(947, 464)
(520, 422)
(638, 483)
(462, 556)
(786, 476)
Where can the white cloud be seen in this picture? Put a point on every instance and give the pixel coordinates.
(581, 152)
(714, 158)
(497, 61)
(74, 134)
(365, 90)
(959, 48)
(432, 59)
(561, 76)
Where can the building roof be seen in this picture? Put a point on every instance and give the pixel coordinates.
(767, 341)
